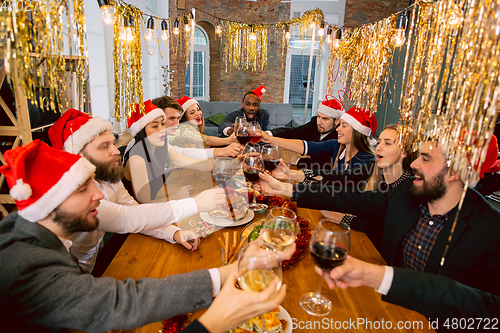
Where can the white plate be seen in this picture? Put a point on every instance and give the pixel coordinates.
(223, 222)
(285, 315)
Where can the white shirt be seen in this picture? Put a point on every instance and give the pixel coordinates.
(118, 212)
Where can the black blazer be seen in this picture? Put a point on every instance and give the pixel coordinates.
(474, 255)
(308, 132)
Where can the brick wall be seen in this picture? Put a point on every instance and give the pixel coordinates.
(232, 85)
(359, 12)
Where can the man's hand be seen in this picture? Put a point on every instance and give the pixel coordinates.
(232, 150)
(282, 171)
(333, 216)
(210, 199)
(232, 137)
(354, 273)
(272, 186)
(266, 137)
(187, 238)
(233, 306)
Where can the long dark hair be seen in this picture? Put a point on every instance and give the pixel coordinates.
(201, 127)
(156, 162)
(359, 142)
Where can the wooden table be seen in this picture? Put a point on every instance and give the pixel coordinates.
(142, 256)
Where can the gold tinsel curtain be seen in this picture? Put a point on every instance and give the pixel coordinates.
(450, 89)
(127, 56)
(32, 42)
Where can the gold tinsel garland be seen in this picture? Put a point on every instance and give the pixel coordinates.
(246, 45)
(450, 90)
(127, 56)
(34, 47)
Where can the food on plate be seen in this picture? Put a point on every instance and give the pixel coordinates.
(273, 323)
(255, 232)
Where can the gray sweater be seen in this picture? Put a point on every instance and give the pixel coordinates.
(42, 288)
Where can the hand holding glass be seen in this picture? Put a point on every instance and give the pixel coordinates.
(329, 247)
(252, 165)
(222, 171)
(257, 269)
(271, 156)
(280, 228)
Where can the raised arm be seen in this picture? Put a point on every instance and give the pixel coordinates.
(297, 146)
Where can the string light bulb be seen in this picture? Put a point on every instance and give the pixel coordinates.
(128, 33)
(176, 27)
(321, 30)
(187, 25)
(107, 12)
(253, 35)
(164, 30)
(150, 35)
(287, 32)
(337, 39)
(218, 28)
(329, 32)
(398, 38)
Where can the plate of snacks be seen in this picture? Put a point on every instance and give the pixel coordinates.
(277, 321)
(227, 222)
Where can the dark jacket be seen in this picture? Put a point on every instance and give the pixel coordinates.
(42, 288)
(307, 132)
(262, 118)
(474, 255)
(322, 156)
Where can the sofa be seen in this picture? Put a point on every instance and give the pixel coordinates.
(280, 114)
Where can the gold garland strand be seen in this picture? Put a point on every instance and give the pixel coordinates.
(127, 56)
(35, 40)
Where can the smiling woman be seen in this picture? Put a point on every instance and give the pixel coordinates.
(192, 124)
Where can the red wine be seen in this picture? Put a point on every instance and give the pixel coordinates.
(252, 175)
(220, 179)
(256, 138)
(271, 164)
(326, 257)
(243, 139)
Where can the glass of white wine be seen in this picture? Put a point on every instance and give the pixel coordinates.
(280, 228)
(257, 269)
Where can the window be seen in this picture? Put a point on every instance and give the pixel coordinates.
(200, 66)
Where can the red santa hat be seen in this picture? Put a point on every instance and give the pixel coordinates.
(490, 158)
(259, 92)
(186, 103)
(137, 120)
(74, 129)
(331, 107)
(362, 121)
(40, 178)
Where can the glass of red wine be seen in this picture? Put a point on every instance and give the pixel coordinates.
(223, 171)
(243, 134)
(271, 156)
(329, 248)
(255, 131)
(252, 165)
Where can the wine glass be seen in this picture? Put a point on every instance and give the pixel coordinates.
(257, 269)
(280, 228)
(243, 134)
(238, 121)
(271, 156)
(223, 170)
(255, 131)
(251, 148)
(252, 165)
(329, 248)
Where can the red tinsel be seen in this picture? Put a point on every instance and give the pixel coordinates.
(176, 324)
